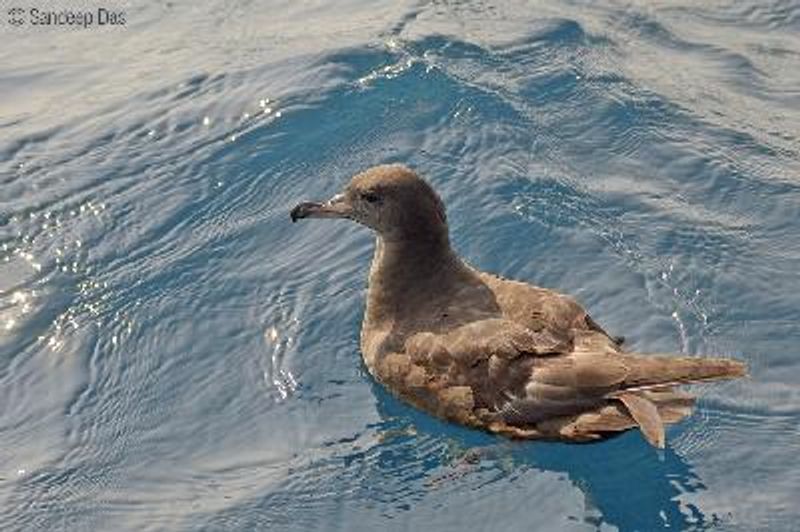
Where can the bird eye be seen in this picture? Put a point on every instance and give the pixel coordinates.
(371, 197)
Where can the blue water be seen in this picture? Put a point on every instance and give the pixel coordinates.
(176, 355)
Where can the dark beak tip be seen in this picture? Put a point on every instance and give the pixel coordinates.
(302, 210)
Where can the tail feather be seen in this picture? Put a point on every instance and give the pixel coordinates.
(645, 413)
(649, 401)
(646, 398)
(611, 392)
(656, 371)
(673, 405)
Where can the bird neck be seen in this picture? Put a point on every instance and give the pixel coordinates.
(405, 272)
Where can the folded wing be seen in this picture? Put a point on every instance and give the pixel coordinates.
(566, 385)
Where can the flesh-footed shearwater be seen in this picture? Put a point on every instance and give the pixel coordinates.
(500, 355)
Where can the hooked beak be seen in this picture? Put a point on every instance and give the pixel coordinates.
(336, 207)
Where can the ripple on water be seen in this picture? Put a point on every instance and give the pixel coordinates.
(180, 356)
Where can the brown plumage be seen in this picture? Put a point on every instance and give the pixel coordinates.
(501, 355)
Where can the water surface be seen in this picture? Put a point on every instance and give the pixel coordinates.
(175, 355)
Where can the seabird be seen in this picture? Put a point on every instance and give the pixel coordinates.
(504, 356)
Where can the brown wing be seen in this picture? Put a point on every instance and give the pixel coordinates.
(482, 339)
(536, 308)
(492, 357)
(557, 382)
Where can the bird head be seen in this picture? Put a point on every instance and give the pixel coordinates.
(392, 200)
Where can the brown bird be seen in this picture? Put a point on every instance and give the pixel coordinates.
(500, 355)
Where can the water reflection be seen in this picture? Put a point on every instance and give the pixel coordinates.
(408, 469)
(623, 481)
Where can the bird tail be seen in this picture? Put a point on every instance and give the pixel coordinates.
(642, 392)
(647, 392)
(658, 371)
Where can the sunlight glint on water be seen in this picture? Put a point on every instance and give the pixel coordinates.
(176, 355)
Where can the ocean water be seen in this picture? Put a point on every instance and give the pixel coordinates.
(176, 355)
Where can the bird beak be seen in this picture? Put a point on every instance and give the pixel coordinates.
(336, 207)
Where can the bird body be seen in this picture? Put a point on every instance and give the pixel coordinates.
(500, 355)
